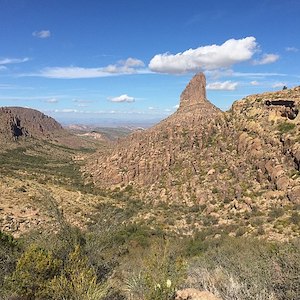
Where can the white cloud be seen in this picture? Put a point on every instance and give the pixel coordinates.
(124, 67)
(267, 59)
(51, 100)
(122, 98)
(205, 57)
(6, 61)
(254, 82)
(66, 110)
(151, 108)
(224, 86)
(176, 106)
(2, 68)
(291, 49)
(278, 85)
(132, 62)
(43, 34)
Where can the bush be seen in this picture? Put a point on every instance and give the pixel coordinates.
(35, 268)
(161, 273)
(286, 127)
(78, 280)
(295, 218)
(248, 269)
(10, 250)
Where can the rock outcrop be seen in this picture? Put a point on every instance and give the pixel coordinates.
(19, 122)
(194, 93)
(202, 156)
(145, 157)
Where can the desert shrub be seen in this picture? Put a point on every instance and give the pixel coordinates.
(77, 281)
(35, 268)
(161, 272)
(245, 269)
(276, 212)
(295, 218)
(10, 250)
(286, 127)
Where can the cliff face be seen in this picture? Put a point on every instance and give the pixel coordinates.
(19, 122)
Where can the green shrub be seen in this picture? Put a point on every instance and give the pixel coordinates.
(295, 218)
(35, 268)
(248, 269)
(78, 280)
(160, 274)
(286, 127)
(10, 250)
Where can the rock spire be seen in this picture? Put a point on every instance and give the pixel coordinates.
(194, 93)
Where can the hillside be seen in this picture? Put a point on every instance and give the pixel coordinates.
(20, 122)
(40, 181)
(236, 171)
(204, 203)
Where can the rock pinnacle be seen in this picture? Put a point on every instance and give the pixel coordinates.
(194, 93)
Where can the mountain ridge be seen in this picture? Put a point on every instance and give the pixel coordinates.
(227, 164)
(20, 122)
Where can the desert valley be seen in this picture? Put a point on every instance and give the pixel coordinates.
(203, 205)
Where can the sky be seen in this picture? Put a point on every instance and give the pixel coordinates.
(127, 61)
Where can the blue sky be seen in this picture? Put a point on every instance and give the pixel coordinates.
(94, 61)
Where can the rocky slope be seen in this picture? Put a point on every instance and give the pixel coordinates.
(145, 156)
(20, 122)
(244, 162)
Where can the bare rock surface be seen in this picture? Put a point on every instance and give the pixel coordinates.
(20, 122)
(194, 294)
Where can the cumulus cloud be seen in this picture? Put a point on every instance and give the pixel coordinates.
(43, 34)
(6, 61)
(122, 98)
(132, 62)
(291, 49)
(267, 59)
(224, 86)
(123, 67)
(205, 57)
(176, 106)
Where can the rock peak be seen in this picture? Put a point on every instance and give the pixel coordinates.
(194, 93)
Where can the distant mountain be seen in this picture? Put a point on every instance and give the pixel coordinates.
(20, 123)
